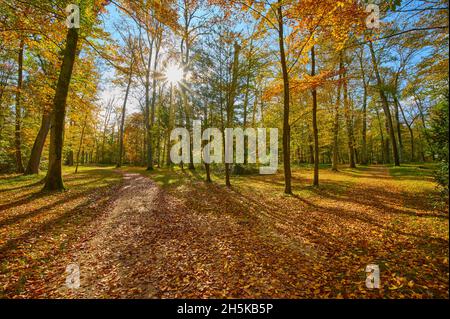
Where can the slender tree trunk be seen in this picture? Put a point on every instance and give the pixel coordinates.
(81, 143)
(380, 126)
(54, 179)
(122, 120)
(349, 124)
(246, 101)
(169, 128)
(152, 109)
(38, 146)
(385, 105)
(398, 127)
(311, 147)
(206, 125)
(148, 126)
(70, 158)
(3, 83)
(18, 140)
(230, 103)
(286, 89)
(364, 157)
(254, 110)
(334, 162)
(411, 133)
(387, 144)
(314, 121)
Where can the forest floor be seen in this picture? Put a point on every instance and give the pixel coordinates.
(168, 234)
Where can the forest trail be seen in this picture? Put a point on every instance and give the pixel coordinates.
(168, 234)
(149, 245)
(162, 243)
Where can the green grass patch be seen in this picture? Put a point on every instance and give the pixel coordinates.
(412, 171)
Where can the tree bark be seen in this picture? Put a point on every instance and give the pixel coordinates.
(349, 124)
(364, 157)
(17, 135)
(381, 135)
(385, 105)
(335, 159)
(169, 127)
(411, 133)
(148, 126)
(81, 143)
(38, 146)
(314, 121)
(122, 120)
(286, 89)
(230, 103)
(398, 127)
(54, 179)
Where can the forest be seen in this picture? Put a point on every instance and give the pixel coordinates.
(97, 95)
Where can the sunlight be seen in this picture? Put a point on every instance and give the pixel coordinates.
(174, 74)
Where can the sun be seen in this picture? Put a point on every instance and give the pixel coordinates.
(174, 74)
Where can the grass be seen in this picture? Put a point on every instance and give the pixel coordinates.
(36, 227)
(412, 171)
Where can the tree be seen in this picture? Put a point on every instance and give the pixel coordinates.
(230, 102)
(129, 74)
(385, 105)
(18, 140)
(314, 121)
(439, 132)
(54, 180)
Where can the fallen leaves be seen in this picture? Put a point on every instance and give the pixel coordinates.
(192, 240)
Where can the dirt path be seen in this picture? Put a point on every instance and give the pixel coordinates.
(204, 241)
(151, 246)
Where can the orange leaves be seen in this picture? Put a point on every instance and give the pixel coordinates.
(144, 11)
(298, 86)
(171, 243)
(338, 18)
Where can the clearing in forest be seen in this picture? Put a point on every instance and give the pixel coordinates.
(168, 234)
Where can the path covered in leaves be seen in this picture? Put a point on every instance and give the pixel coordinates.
(152, 245)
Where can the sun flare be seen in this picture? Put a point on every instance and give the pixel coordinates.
(174, 74)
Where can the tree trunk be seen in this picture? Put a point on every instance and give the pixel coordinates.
(81, 143)
(246, 101)
(399, 128)
(169, 127)
(18, 141)
(148, 126)
(230, 103)
(38, 146)
(334, 162)
(364, 158)
(387, 144)
(70, 158)
(122, 120)
(381, 135)
(314, 121)
(385, 105)
(286, 89)
(411, 133)
(54, 179)
(206, 125)
(349, 124)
